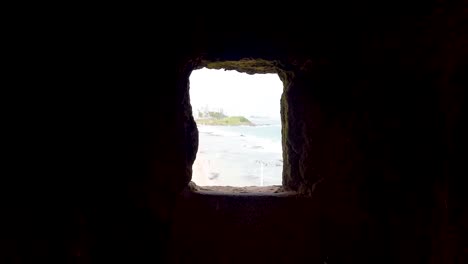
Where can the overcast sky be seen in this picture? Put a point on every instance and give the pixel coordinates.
(236, 93)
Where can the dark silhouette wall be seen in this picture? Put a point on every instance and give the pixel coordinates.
(377, 120)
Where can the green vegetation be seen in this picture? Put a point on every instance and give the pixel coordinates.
(206, 117)
(226, 121)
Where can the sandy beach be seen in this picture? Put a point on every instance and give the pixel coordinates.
(233, 157)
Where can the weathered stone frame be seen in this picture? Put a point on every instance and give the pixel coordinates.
(249, 66)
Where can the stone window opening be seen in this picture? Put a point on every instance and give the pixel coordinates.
(250, 67)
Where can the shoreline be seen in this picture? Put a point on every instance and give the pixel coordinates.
(236, 157)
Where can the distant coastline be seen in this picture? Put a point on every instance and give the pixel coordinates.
(225, 121)
(218, 118)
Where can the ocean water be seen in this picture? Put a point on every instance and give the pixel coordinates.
(239, 155)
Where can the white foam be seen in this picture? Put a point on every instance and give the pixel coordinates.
(253, 142)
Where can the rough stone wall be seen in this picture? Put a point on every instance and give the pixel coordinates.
(367, 127)
(366, 115)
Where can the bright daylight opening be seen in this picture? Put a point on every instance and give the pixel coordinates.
(239, 124)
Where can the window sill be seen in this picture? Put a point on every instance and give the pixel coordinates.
(275, 190)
